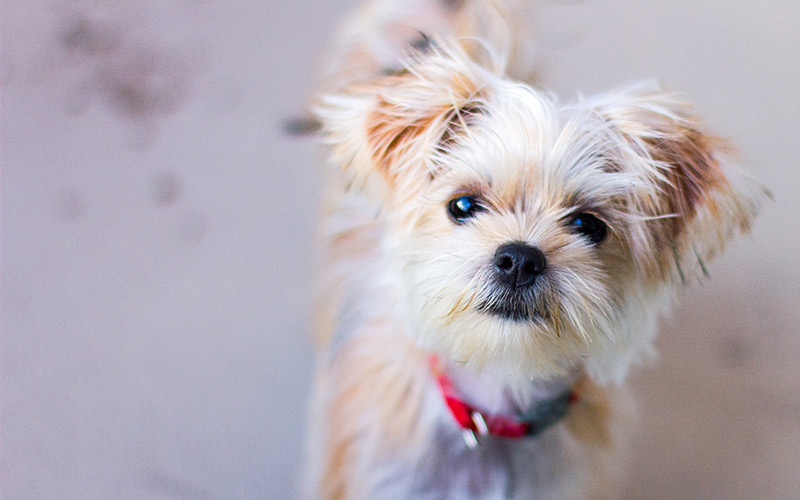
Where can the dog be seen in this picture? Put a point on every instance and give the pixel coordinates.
(494, 262)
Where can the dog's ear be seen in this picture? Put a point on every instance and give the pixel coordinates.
(395, 129)
(687, 201)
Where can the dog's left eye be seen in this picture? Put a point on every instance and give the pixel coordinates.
(590, 226)
(462, 208)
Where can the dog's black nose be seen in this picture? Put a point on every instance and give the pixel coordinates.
(518, 264)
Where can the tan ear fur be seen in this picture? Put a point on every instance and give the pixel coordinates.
(688, 205)
(398, 125)
(396, 141)
(691, 172)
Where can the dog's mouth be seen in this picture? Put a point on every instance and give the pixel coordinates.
(515, 308)
(534, 303)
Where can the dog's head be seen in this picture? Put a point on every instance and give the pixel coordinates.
(528, 234)
(376, 37)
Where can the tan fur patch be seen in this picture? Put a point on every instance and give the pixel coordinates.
(380, 384)
(397, 134)
(694, 173)
(356, 244)
(391, 141)
(589, 419)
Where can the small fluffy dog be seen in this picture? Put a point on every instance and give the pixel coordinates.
(494, 261)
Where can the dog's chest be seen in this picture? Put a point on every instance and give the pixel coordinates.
(498, 468)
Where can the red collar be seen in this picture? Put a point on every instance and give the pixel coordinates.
(477, 423)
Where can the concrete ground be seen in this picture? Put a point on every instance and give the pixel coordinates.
(157, 228)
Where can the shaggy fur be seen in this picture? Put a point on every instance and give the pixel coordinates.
(404, 281)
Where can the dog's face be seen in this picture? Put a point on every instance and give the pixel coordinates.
(528, 235)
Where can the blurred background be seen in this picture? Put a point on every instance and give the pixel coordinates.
(157, 229)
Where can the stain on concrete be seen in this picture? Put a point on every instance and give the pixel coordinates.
(84, 36)
(124, 65)
(165, 189)
(70, 206)
(193, 227)
(734, 352)
(143, 83)
(175, 488)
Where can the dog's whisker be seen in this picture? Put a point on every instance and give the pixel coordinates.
(453, 277)
(459, 306)
(677, 260)
(701, 263)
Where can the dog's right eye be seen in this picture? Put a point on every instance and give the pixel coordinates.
(462, 208)
(590, 226)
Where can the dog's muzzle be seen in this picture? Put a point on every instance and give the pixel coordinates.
(516, 267)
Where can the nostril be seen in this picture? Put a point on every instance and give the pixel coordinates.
(531, 267)
(504, 262)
